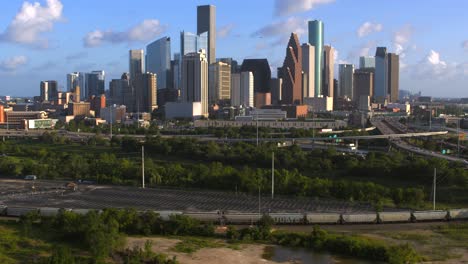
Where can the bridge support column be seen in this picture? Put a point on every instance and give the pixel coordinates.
(356, 144)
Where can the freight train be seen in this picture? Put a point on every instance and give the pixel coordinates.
(228, 217)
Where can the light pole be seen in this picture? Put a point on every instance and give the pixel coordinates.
(256, 113)
(272, 175)
(143, 166)
(458, 137)
(434, 197)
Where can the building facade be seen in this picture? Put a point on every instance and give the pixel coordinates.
(328, 71)
(316, 38)
(261, 71)
(363, 85)
(292, 72)
(346, 82)
(366, 62)
(206, 22)
(381, 74)
(247, 89)
(95, 84)
(145, 92)
(220, 82)
(393, 77)
(48, 91)
(308, 67)
(136, 63)
(235, 89)
(158, 60)
(195, 79)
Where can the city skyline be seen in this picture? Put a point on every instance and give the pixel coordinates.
(431, 55)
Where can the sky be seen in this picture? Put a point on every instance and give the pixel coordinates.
(46, 39)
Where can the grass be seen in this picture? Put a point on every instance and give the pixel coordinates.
(193, 244)
(457, 233)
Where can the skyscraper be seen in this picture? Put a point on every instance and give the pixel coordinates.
(247, 89)
(158, 60)
(118, 88)
(190, 43)
(95, 84)
(48, 91)
(261, 71)
(145, 92)
(71, 81)
(206, 22)
(381, 74)
(195, 79)
(363, 84)
(220, 82)
(328, 71)
(393, 76)
(366, 62)
(346, 75)
(292, 72)
(316, 38)
(308, 67)
(136, 63)
(235, 89)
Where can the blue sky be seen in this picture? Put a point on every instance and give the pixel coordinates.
(47, 39)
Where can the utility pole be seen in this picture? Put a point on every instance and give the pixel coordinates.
(256, 113)
(272, 175)
(434, 197)
(458, 137)
(430, 119)
(110, 122)
(259, 199)
(143, 166)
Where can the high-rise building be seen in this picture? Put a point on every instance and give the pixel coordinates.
(220, 82)
(195, 79)
(136, 63)
(316, 38)
(366, 62)
(117, 88)
(247, 89)
(206, 22)
(77, 94)
(233, 63)
(292, 72)
(158, 60)
(393, 76)
(74, 80)
(190, 43)
(276, 84)
(346, 75)
(328, 71)
(175, 71)
(95, 83)
(97, 103)
(363, 84)
(48, 91)
(261, 72)
(308, 67)
(235, 89)
(381, 74)
(145, 92)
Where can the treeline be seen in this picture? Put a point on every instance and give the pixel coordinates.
(103, 235)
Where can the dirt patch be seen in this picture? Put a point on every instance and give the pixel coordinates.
(245, 254)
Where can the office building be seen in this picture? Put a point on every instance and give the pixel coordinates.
(276, 84)
(393, 77)
(63, 98)
(316, 38)
(236, 89)
(308, 68)
(97, 103)
(195, 79)
(292, 72)
(363, 84)
(346, 75)
(328, 71)
(95, 83)
(206, 22)
(117, 90)
(381, 75)
(145, 92)
(2, 114)
(114, 114)
(79, 109)
(192, 43)
(247, 81)
(220, 82)
(48, 91)
(261, 72)
(175, 71)
(366, 62)
(319, 104)
(158, 60)
(262, 99)
(16, 119)
(233, 63)
(73, 80)
(167, 95)
(136, 63)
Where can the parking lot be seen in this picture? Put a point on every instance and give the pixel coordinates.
(52, 194)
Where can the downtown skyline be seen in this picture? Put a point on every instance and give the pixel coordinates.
(433, 55)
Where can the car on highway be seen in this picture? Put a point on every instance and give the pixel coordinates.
(30, 177)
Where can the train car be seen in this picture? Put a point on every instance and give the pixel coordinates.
(166, 214)
(458, 214)
(439, 215)
(287, 218)
(84, 211)
(214, 216)
(323, 218)
(393, 217)
(363, 218)
(49, 211)
(20, 211)
(242, 218)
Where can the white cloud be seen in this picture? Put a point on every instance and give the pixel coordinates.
(145, 31)
(31, 22)
(368, 28)
(401, 38)
(287, 7)
(282, 28)
(224, 31)
(465, 45)
(433, 67)
(11, 64)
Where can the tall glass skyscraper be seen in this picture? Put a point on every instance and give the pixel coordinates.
(136, 63)
(381, 74)
(316, 39)
(158, 60)
(206, 22)
(366, 62)
(190, 43)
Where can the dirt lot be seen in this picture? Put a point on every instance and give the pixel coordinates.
(246, 254)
